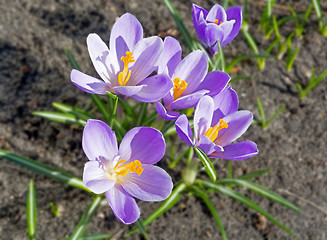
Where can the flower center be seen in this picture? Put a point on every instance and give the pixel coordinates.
(179, 87)
(212, 132)
(218, 22)
(122, 169)
(124, 75)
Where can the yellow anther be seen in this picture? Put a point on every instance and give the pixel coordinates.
(217, 21)
(212, 132)
(179, 87)
(131, 167)
(124, 75)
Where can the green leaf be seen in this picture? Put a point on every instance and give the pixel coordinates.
(206, 163)
(279, 110)
(140, 226)
(244, 57)
(79, 113)
(180, 25)
(261, 112)
(71, 59)
(246, 201)
(260, 190)
(54, 209)
(44, 169)
(31, 212)
(97, 236)
(198, 192)
(67, 118)
(101, 106)
(86, 218)
(141, 114)
(254, 174)
(168, 203)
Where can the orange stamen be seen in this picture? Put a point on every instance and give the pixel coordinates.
(217, 21)
(179, 87)
(124, 75)
(212, 132)
(122, 170)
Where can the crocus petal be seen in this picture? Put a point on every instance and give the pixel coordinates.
(171, 56)
(200, 25)
(87, 83)
(202, 117)
(95, 178)
(154, 184)
(217, 12)
(168, 115)
(213, 33)
(238, 122)
(225, 103)
(144, 144)
(214, 82)
(192, 69)
(98, 52)
(196, 11)
(128, 91)
(122, 205)
(128, 28)
(155, 88)
(236, 14)
(237, 151)
(206, 145)
(147, 52)
(227, 28)
(188, 101)
(99, 141)
(183, 130)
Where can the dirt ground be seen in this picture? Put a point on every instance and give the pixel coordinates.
(34, 72)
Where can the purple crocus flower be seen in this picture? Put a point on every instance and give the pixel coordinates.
(217, 124)
(216, 25)
(189, 77)
(127, 172)
(125, 67)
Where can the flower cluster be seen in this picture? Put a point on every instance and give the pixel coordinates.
(151, 70)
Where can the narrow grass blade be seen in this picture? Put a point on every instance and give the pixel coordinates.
(261, 113)
(258, 56)
(79, 113)
(291, 58)
(86, 218)
(198, 192)
(282, 108)
(97, 236)
(150, 119)
(127, 108)
(260, 190)
(67, 118)
(168, 203)
(282, 21)
(221, 58)
(317, 8)
(71, 59)
(253, 46)
(31, 212)
(44, 169)
(176, 160)
(276, 29)
(141, 114)
(246, 201)
(140, 226)
(54, 209)
(180, 25)
(206, 163)
(101, 106)
(254, 174)
(314, 83)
